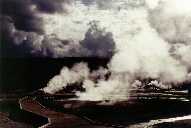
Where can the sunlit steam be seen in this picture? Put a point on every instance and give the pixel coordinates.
(152, 42)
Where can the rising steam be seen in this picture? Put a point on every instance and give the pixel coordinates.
(152, 39)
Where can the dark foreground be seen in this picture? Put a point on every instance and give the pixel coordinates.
(13, 116)
(140, 111)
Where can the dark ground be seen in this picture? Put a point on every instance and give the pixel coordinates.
(14, 115)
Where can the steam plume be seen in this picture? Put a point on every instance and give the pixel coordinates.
(152, 42)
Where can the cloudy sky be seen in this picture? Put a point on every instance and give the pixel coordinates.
(90, 28)
(53, 28)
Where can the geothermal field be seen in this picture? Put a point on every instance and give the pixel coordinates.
(95, 64)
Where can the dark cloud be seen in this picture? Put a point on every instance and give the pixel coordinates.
(50, 6)
(22, 33)
(25, 16)
(20, 12)
(96, 43)
(20, 23)
(99, 42)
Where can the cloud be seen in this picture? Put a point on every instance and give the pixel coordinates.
(51, 46)
(22, 14)
(172, 19)
(152, 43)
(50, 6)
(25, 33)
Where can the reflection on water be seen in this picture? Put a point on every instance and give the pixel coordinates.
(175, 122)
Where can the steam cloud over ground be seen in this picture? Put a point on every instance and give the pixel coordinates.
(152, 40)
(146, 39)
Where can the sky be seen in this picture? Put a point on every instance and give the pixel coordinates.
(46, 28)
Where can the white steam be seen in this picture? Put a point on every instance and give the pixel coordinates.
(152, 42)
(67, 76)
